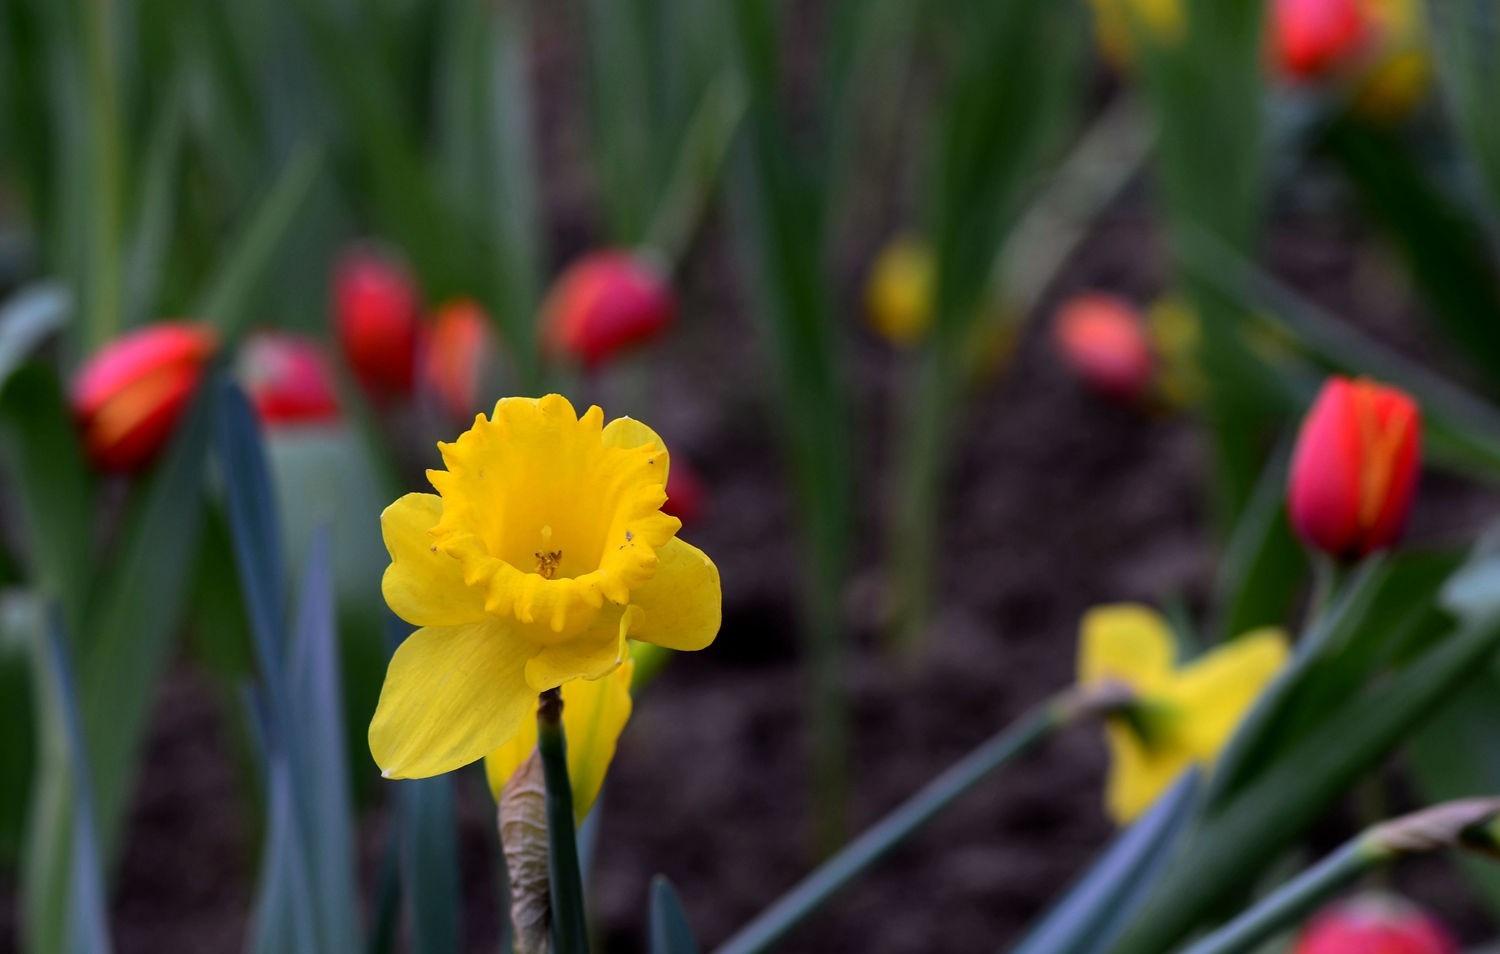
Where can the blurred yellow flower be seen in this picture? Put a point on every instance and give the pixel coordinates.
(899, 292)
(1182, 716)
(544, 549)
(1172, 326)
(594, 713)
(1116, 23)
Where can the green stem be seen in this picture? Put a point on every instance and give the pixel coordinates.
(569, 923)
(1295, 899)
(811, 892)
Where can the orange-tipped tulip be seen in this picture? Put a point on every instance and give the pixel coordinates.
(289, 380)
(1101, 339)
(1354, 471)
(605, 303)
(378, 321)
(1375, 924)
(459, 344)
(1312, 38)
(129, 395)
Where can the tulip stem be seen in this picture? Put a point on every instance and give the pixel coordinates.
(811, 892)
(569, 923)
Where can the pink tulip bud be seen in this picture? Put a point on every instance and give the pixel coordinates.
(1312, 38)
(1354, 471)
(603, 304)
(288, 379)
(1102, 341)
(128, 397)
(378, 321)
(1375, 924)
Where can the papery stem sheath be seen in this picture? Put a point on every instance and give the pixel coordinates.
(570, 933)
(776, 921)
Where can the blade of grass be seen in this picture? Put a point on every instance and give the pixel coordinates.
(670, 933)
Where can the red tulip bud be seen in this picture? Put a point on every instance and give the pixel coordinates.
(1354, 471)
(1311, 38)
(378, 321)
(288, 379)
(1101, 339)
(686, 493)
(457, 348)
(605, 303)
(129, 395)
(1375, 924)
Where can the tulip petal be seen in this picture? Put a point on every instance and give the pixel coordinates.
(1127, 642)
(424, 585)
(1215, 691)
(682, 606)
(451, 695)
(1323, 486)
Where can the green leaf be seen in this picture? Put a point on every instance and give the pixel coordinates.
(1445, 249)
(18, 756)
(670, 933)
(1229, 846)
(228, 302)
(28, 318)
(428, 833)
(1090, 916)
(1263, 564)
(141, 601)
(86, 928)
(42, 454)
(151, 238)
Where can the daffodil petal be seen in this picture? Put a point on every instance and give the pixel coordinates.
(594, 714)
(590, 656)
(1216, 690)
(682, 606)
(1127, 642)
(423, 585)
(1138, 776)
(451, 695)
(628, 433)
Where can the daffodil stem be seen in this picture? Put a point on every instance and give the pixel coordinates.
(569, 922)
(809, 894)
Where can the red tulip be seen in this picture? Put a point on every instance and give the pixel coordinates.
(129, 395)
(1101, 339)
(378, 321)
(1354, 471)
(457, 348)
(686, 493)
(289, 379)
(1311, 38)
(1375, 924)
(605, 303)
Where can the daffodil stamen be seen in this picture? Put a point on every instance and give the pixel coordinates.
(547, 563)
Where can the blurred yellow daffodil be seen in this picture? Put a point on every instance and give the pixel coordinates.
(1179, 716)
(1116, 23)
(544, 549)
(898, 296)
(594, 714)
(1176, 337)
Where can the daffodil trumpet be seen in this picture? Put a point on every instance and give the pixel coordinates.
(1467, 823)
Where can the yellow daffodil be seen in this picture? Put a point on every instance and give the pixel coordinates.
(544, 549)
(1117, 21)
(898, 296)
(594, 714)
(1401, 73)
(1176, 336)
(1181, 716)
